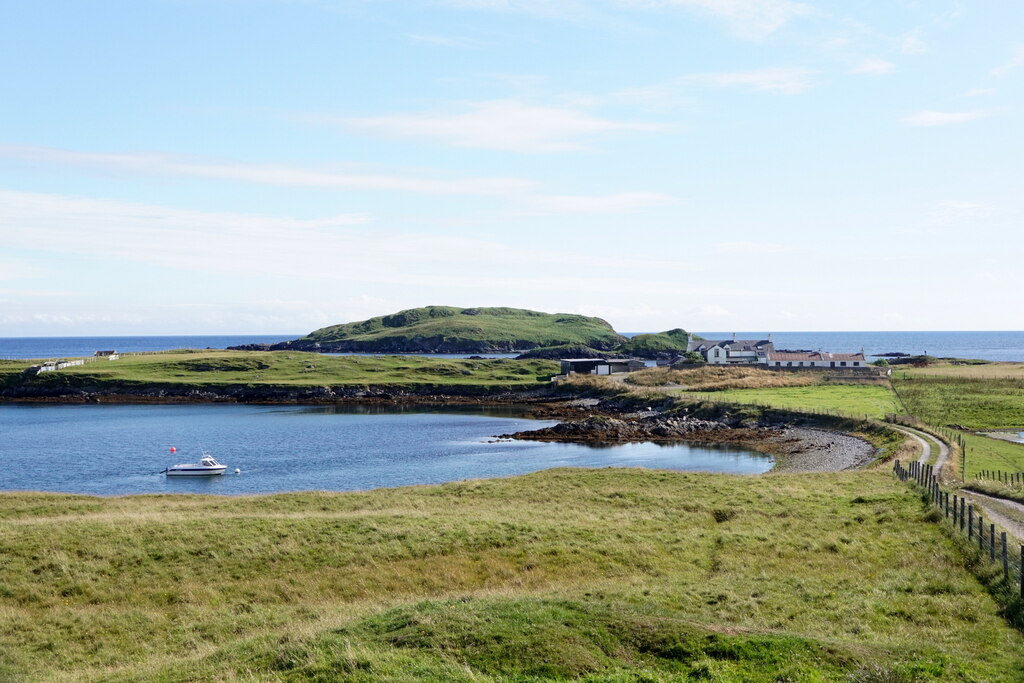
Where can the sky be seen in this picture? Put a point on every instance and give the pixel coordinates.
(276, 166)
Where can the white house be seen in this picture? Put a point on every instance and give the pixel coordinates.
(814, 359)
(762, 352)
(732, 351)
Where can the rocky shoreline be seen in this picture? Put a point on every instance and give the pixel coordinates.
(796, 449)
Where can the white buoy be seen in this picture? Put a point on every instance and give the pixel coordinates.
(238, 471)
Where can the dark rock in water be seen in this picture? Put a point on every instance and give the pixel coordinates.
(600, 428)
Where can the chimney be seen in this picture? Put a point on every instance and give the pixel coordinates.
(734, 336)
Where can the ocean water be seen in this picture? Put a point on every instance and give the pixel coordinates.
(998, 346)
(121, 449)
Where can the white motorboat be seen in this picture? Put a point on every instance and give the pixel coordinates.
(206, 466)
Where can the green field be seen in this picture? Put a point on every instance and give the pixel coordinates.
(985, 453)
(972, 401)
(847, 399)
(292, 368)
(622, 575)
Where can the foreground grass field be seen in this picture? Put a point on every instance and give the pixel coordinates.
(620, 575)
(847, 399)
(293, 368)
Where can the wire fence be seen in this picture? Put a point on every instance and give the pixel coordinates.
(966, 519)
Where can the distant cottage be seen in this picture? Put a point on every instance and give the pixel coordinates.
(109, 355)
(762, 352)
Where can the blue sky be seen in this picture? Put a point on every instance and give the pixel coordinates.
(264, 166)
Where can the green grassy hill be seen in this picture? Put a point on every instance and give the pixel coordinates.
(670, 343)
(611, 574)
(444, 329)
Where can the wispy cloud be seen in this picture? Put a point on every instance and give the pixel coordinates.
(506, 125)
(751, 19)
(1016, 61)
(599, 204)
(911, 43)
(310, 250)
(980, 92)
(267, 174)
(528, 193)
(443, 41)
(943, 118)
(747, 247)
(874, 67)
(779, 80)
(748, 19)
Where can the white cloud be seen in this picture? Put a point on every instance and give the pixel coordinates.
(1016, 61)
(911, 43)
(526, 192)
(943, 118)
(15, 270)
(746, 247)
(499, 124)
(752, 19)
(599, 204)
(980, 92)
(442, 41)
(874, 67)
(780, 80)
(267, 174)
(337, 248)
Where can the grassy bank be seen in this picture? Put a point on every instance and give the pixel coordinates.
(973, 400)
(289, 368)
(976, 397)
(621, 574)
(845, 399)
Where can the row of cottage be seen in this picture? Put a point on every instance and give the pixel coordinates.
(762, 352)
(733, 351)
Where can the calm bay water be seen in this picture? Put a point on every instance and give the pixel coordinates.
(120, 449)
(1000, 346)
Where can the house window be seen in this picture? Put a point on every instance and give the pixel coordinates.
(789, 364)
(833, 364)
(843, 363)
(778, 363)
(801, 363)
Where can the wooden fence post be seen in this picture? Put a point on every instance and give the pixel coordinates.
(991, 542)
(981, 533)
(961, 513)
(1006, 563)
(970, 522)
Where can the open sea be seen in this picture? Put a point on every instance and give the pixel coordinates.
(998, 346)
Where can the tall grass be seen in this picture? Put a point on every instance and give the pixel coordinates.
(718, 378)
(616, 574)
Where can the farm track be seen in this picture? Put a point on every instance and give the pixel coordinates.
(1007, 514)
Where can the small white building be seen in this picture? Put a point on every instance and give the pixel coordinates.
(814, 359)
(732, 351)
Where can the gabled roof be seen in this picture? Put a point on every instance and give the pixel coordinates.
(732, 344)
(813, 356)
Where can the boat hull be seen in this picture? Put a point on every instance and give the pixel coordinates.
(196, 471)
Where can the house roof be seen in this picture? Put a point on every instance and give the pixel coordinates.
(813, 355)
(733, 344)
